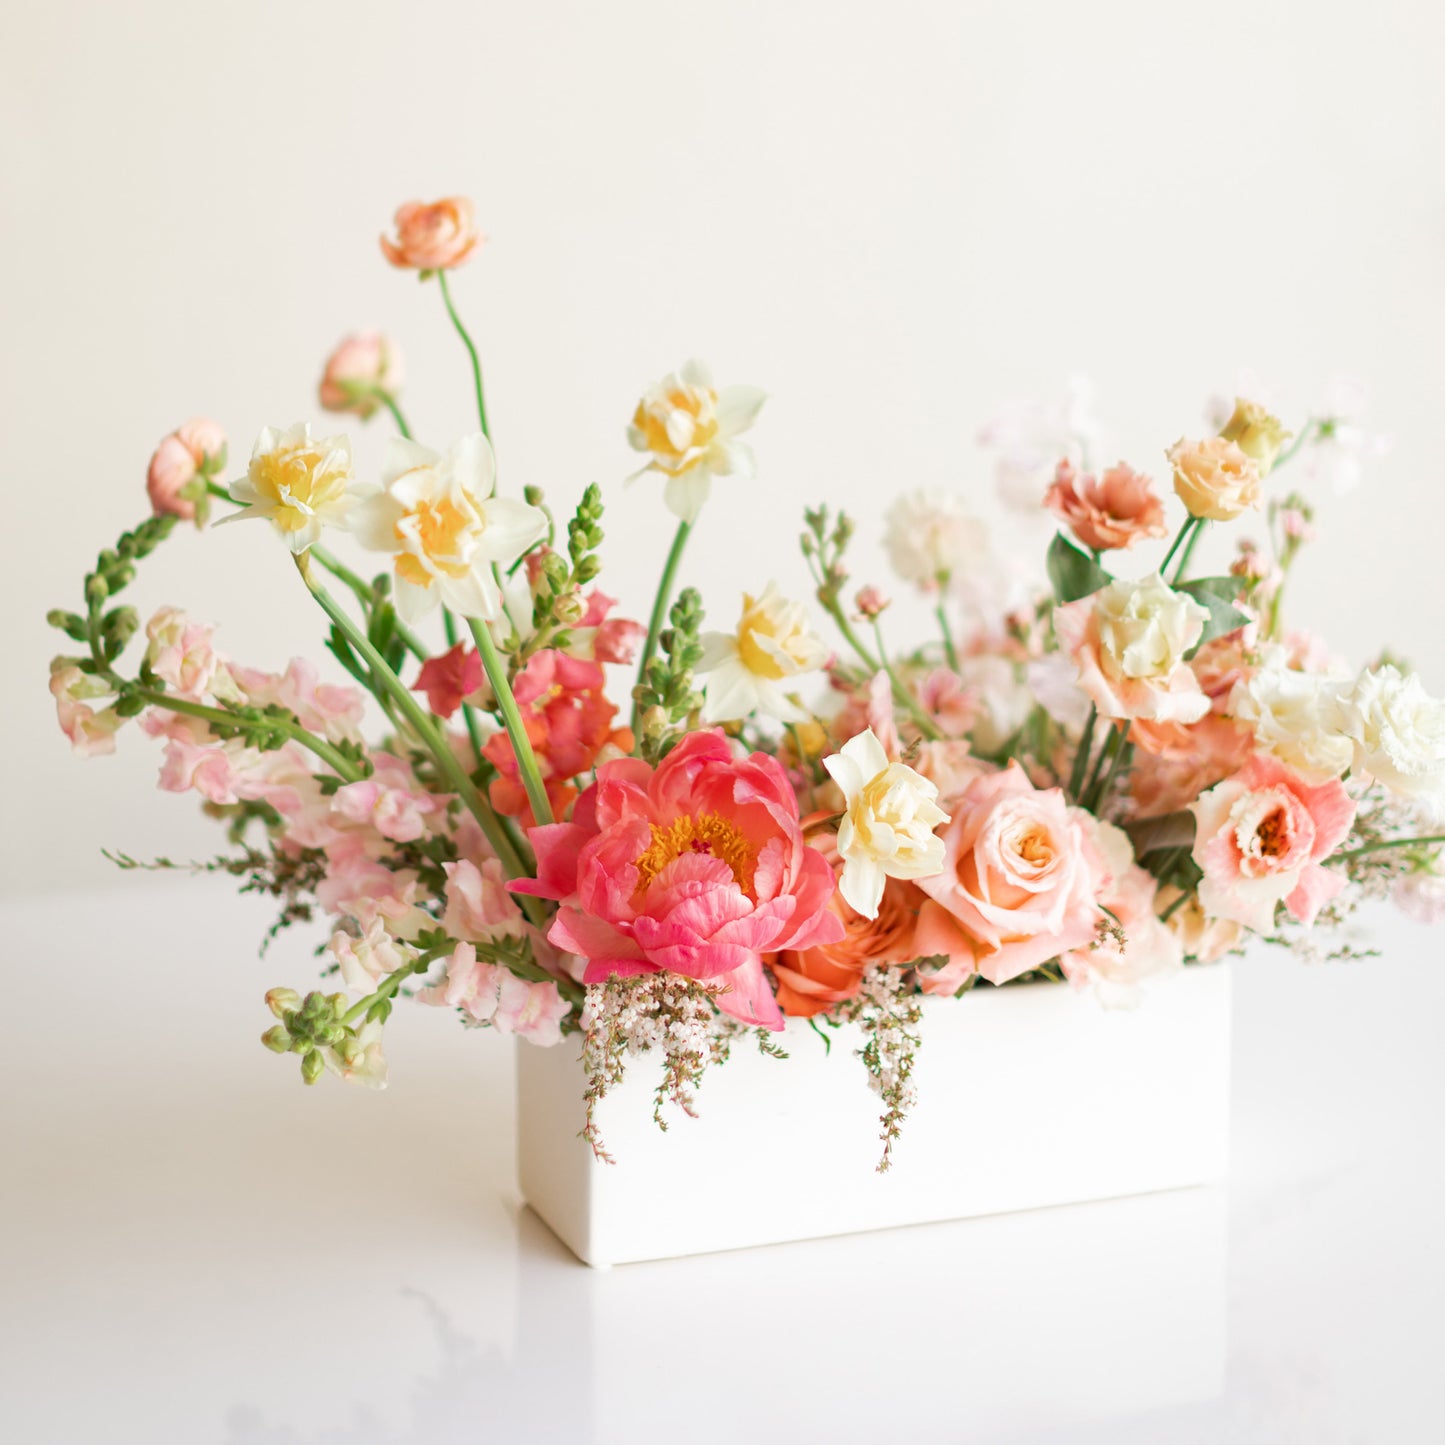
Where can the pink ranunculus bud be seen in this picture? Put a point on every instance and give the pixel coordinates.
(362, 371)
(1297, 526)
(435, 237)
(180, 465)
(871, 602)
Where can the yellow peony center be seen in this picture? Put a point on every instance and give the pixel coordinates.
(706, 833)
(651, 419)
(434, 531)
(298, 482)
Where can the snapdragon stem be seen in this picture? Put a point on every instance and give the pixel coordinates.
(1388, 843)
(354, 581)
(660, 604)
(1189, 524)
(390, 984)
(1081, 758)
(950, 652)
(901, 694)
(471, 351)
(390, 403)
(507, 705)
(424, 726)
(337, 761)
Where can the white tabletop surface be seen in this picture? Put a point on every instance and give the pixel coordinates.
(196, 1249)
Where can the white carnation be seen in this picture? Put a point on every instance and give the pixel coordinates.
(933, 540)
(1398, 731)
(1297, 717)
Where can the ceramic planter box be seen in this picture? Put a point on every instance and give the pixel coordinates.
(1028, 1096)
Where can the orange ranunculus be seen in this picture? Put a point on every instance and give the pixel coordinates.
(813, 979)
(568, 721)
(434, 237)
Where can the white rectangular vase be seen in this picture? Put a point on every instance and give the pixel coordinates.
(1028, 1096)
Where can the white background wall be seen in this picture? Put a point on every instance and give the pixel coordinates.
(893, 218)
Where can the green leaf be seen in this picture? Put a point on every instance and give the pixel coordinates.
(1168, 830)
(1074, 574)
(1217, 595)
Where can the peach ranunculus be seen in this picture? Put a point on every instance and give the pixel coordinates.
(697, 867)
(811, 980)
(180, 467)
(435, 237)
(1019, 885)
(1114, 510)
(1214, 479)
(1261, 837)
(1129, 641)
(361, 373)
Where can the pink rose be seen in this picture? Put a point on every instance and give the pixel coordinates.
(697, 867)
(1019, 883)
(434, 237)
(1114, 510)
(360, 373)
(180, 465)
(1260, 838)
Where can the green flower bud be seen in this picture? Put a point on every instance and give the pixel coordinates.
(282, 1001)
(277, 1039)
(312, 1066)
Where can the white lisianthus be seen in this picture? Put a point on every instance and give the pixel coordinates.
(1398, 732)
(1296, 717)
(298, 484)
(749, 670)
(690, 429)
(436, 515)
(889, 814)
(932, 539)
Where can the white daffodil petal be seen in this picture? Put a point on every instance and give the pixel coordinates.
(730, 693)
(861, 883)
(738, 408)
(685, 495)
(403, 455)
(717, 647)
(473, 465)
(509, 527)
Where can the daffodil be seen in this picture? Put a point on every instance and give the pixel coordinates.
(436, 515)
(299, 484)
(689, 429)
(750, 669)
(889, 814)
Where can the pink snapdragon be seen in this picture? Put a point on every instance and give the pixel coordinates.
(391, 801)
(181, 655)
(334, 711)
(359, 887)
(478, 905)
(450, 678)
(697, 867)
(606, 638)
(1261, 837)
(91, 733)
(489, 993)
(366, 959)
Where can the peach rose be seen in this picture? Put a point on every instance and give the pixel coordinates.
(1114, 510)
(1260, 840)
(362, 371)
(1215, 479)
(436, 237)
(1129, 641)
(180, 466)
(813, 979)
(1019, 883)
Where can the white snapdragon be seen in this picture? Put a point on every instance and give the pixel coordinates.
(1398, 731)
(750, 670)
(889, 816)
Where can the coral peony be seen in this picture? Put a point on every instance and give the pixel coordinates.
(697, 866)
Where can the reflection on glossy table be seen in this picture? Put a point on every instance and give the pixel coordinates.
(197, 1249)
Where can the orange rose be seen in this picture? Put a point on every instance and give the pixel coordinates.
(813, 979)
(437, 237)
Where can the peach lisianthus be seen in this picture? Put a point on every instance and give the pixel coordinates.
(696, 867)
(1261, 837)
(1019, 884)
(811, 980)
(1129, 641)
(433, 237)
(1107, 512)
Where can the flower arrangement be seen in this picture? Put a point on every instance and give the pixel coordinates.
(1133, 770)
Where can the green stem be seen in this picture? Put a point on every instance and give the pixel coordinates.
(1388, 843)
(1101, 789)
(1184, 897)
(337, 761)
(390, 403)
(1194, 537)
(1289, 452)
(950, 652)
(471, 351)
(423, 724)
(1112, 739)
(390, 984)
(901, 694)
(1081, 758)
(1189, 524)
(660, 605)
(507, 705)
